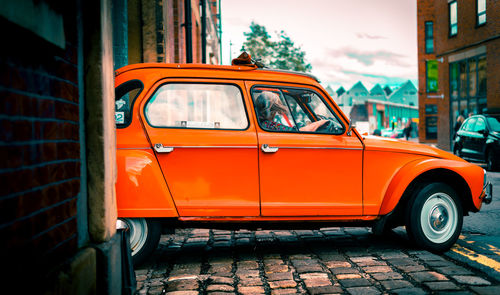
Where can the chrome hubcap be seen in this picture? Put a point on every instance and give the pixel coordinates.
(439, 218)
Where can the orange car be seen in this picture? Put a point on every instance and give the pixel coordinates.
(242, 147)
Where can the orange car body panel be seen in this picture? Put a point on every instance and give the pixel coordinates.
(289, 174)
(223, 175)
(141, 189)
(209, 172)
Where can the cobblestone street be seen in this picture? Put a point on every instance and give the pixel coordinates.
(326, 261)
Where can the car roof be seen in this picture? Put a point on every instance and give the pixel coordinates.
(249, 72)
(483, 116)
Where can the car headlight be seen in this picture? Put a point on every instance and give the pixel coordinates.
(484, 178)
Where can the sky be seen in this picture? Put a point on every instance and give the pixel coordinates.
(345, 41)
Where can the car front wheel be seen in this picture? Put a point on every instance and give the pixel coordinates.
(434, 217)
(456, 151)
(144, 235)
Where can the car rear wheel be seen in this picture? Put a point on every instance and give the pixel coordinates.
(434, 217)
(144, 235)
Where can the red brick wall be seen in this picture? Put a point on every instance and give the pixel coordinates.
(169, 34)
(468, 33)
(425, 12)
(39, 147)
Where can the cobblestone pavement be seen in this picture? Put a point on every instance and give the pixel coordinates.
(326, 261)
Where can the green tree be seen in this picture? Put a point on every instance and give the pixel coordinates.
(280, 54)
(259, 44)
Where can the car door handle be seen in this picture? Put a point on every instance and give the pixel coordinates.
(159, 148)
(267, 149)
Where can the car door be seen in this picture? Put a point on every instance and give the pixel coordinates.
(467, 145)
(306, 173)
(206, 146)
(478, 139)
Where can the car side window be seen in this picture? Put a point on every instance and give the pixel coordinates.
(197, 106)
(125, 95)
(272, 110)
(494, 123)
(480, 125)
(294, 110)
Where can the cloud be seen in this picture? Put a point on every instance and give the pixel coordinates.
(369, 57)
(368, 36)
(345, 66)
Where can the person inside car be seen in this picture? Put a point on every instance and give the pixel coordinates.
(268, 105)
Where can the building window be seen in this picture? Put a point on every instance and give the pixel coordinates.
(453, 20)
(431, 127)
(467, 87)
(481, 12)
(429, 37)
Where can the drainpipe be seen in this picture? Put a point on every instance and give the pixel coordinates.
(203, 31)
(220, 35)
(189, 30)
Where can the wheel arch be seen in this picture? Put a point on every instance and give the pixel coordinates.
(413, 176)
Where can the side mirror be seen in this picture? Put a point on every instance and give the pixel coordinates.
(483, 132)
(350, 128)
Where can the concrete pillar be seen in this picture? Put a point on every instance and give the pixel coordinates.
(100, 127)
(101, 142)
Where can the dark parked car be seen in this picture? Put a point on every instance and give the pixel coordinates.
(479, 138)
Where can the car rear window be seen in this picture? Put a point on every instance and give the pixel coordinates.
(125, 95)
(197, 106)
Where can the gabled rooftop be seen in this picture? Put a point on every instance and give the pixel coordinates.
(406, 94)
(377, 90)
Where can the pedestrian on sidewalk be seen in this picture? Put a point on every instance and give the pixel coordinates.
(407, 130)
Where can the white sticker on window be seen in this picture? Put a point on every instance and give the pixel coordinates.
(120, 117)
(120, 103)
(197, 124)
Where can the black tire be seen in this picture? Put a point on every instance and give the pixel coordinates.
(144, 235)
(491, 161)
(457, 151)
(434, 217)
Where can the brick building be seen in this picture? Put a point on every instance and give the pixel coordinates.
(57, 149)
(162, 31)
(458, 64)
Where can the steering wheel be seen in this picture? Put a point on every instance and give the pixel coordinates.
(329, 127)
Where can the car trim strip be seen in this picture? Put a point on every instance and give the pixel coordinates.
(212, 147)
(244, 147)
(317, 148)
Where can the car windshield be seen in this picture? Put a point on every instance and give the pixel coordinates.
(494, 123)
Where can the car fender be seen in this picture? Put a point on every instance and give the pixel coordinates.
(472, 174)
(141, 188)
